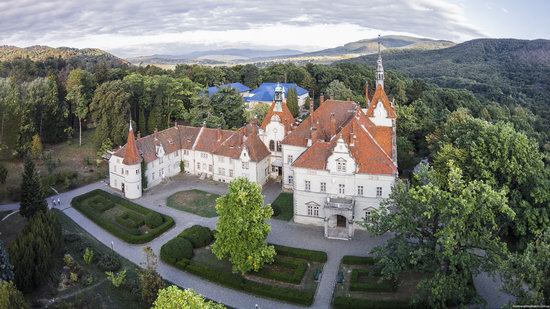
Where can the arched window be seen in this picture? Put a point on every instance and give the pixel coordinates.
(272, 145)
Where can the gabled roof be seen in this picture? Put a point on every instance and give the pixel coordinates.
(131, 153)
(266, 92)
(380, 95)
(237, 86)
(285, 115)
(367, 152)
(343, 111)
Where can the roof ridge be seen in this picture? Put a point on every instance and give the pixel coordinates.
(197, 139)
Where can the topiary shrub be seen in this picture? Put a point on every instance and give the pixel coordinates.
(199, 236)
(107, 262)
(176, 249)
(153, 220)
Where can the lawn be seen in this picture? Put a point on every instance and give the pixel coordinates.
(290, 278)
(361, 286)
(126, 220)
(75, 166)
(194, 201)
(283, 207)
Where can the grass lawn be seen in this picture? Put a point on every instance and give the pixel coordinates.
(122, 218)
(194, 201)
(361, 287)
(75, 166)
(290, 278)
(283, 207)
(10, 227)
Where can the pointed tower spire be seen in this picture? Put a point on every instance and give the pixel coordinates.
(279, 97)
(131, 155)
(379, 67)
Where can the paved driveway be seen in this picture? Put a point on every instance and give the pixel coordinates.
(284, 233)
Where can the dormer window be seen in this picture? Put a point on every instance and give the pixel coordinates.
(341, 166)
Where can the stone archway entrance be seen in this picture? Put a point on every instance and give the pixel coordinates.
(341, 221)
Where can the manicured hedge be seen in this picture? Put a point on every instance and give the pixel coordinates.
(199, 236)
(240, 283)
(153, 220)
(176, 249)
(101, 206)
(310, 255)
(79, 203)
(342, 302)
(358, 260)
(370, 282)
(298, 267)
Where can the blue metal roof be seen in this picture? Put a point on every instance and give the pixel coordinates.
(237, 86)
(266, 92)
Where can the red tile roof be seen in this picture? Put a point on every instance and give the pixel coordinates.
(380, 95)
(285, 115)
(131, 154)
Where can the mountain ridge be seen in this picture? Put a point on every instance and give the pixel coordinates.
(42, 52)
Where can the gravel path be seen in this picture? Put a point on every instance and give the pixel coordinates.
(284, 233)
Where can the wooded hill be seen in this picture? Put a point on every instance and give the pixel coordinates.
(41, 53)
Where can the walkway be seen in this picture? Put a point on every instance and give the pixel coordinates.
(284, 233)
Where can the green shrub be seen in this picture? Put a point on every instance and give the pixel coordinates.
(153, 220)
(199, 236)
(133, 236)
(358, 260)
(176, 249)
(276, 210)
(310, 255)
(365, 280)
(101, 206)
(342, 302)
(107, 262)
(298, 267)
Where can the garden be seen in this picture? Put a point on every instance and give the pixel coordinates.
(292, 277)
(194, 201)
(126, 220)
(283, 207)
(360, 285)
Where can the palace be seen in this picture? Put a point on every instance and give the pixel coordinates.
(340, 162)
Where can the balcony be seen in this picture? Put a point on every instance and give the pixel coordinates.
(342, 203)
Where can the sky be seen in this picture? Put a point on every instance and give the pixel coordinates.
(129, 28)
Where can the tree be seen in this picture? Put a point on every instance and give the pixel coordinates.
(80, 90)
(228, 104)
(250, 75)
(116, 279)
(150, 282)
(6, 269)
(527, 274)
(36, 146)
(173, 297)
(144, 183)
(338, 90)
(445, 227)
(34, 250)
(292, 102)
(32, 196)
(243, 227)
(258, 111)
(3, 174)
(11, 297)
(110, 109)
(203, 113)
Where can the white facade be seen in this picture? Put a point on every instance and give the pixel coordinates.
(126, 178)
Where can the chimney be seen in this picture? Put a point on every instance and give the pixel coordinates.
(352, 134)
(321, 99)
(156, 133)
(139, 134)
(348, 99)
(311, 110)
(332, 97)
(314, 136)
(332, 125)
(176, 123)
(367, 98)
(219, 134)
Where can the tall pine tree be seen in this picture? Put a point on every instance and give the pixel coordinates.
(32, 195)
(292, 101)
(6, 269)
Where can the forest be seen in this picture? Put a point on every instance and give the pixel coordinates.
(473, 141)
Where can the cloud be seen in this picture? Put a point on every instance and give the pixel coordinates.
(61, 22)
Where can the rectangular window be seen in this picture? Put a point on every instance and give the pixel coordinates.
(308, 185)
(290, 180)
(341, 166)
(210, 168)
(323, 187)
(290, 159)
(360, 190)
(204, 155)
(279, 145)
(378, 191)
(316, 211)
(126, 172)
(341, 188)
(137, 172)
(230, 173)
(309, 210)
(198, 166)
(245, 165)
(368, 216)
(186, 152)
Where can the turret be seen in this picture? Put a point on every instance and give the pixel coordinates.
(131, 165)
(279, 98)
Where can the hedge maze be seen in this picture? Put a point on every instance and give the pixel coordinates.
(126, 220)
